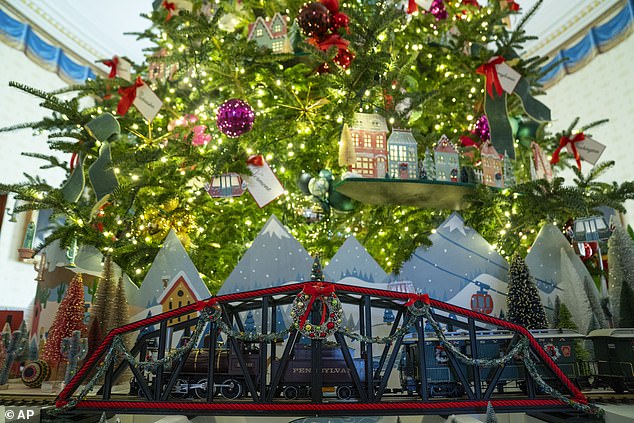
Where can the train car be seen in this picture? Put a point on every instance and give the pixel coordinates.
(443, 381)
(297, 378)
(229, 381)
(613, 359)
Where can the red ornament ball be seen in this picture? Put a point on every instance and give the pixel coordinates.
(330, 325)
(314, 19)
(235, 117)
(343, 58)
(339, 20)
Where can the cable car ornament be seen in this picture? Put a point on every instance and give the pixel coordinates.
(226, 185)
(482, 301)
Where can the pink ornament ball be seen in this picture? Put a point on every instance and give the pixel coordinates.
(235, 117)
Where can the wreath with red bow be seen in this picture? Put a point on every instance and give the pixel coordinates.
(331, 311)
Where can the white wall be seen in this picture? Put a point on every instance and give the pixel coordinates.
(17, 285)
(602, 89)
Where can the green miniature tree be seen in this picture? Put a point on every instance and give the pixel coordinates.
(523, 302)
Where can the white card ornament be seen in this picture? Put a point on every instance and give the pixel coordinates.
(425, 4)
(183, 5)
(147, 102)
(262, 183)
(124, 69)
(508, 77)
(589, 150)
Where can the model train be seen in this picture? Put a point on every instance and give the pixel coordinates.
(230, 383)
(612, 367)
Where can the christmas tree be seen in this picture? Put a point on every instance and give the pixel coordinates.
(226, 98)
(490, 415)
(621, 263)
(69, 318)
(316, 274)
(103, 310)
(562, 318)
(522, 301)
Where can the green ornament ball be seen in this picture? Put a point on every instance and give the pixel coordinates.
(302, 182)
(340, 202)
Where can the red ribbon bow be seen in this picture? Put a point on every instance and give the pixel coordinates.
(128, 94)
(411, 7)
(469, 142)
(513, 5)
(491, 75)
(317, 290)
(112, 64)
(424, 298)
(256, 160)
(200, 305)
(171, 7)
(565, 141)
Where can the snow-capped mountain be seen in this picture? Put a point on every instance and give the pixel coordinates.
(458, 257)
(274, 258)
(170, 261)
(553, 260)
(353, 260)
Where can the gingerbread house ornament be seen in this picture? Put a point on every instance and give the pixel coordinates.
(492, 166)
(446, 159)
(369, 136)
(271, 33)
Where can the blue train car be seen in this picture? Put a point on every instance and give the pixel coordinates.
(443, 380)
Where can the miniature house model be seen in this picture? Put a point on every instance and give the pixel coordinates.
(446, 161)
(403, 155)
(369, 132)
(492, 166)
(271, 33)
(177, 293)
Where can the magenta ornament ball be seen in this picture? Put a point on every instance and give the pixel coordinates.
(235, 117)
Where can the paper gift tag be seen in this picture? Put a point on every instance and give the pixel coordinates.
(425, 4)
(124, 69)
(589, 150)
(263, 184)
(147, 102)
(508, 76)
(183, 5)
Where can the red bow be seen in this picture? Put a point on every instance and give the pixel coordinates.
(200, 305)
(171, 7)
(424, 298)
(411, 7)
(317, 290)
(491, 75)
(128, 94)
(332, 40)
(112, 64)
(513, 5)
(469, 142)
(565, 141)
(256, 160)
